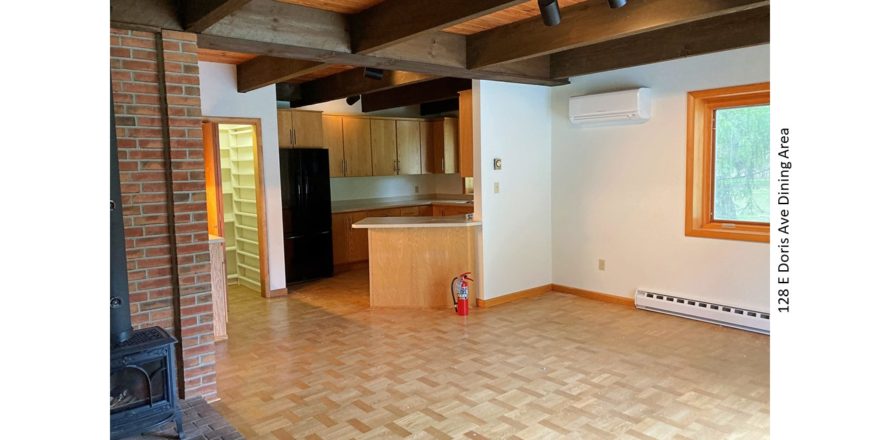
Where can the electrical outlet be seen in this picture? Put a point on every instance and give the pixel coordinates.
(601, 264)
(497, 187)
(417, 189)
(496, 163)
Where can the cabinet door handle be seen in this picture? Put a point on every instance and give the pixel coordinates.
(293, 137)
(344, 167)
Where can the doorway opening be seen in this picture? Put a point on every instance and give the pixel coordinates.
(236, 211)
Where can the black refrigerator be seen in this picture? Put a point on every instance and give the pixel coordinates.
(305, 203)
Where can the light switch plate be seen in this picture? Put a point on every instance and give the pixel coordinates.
(497, 187)
(496, 163)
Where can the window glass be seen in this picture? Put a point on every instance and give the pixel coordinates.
(742, 164)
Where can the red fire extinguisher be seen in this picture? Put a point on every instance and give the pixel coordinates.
(460, 298)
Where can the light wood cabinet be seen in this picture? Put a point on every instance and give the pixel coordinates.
(444, 210)
(358, 244)
(408, 147)
(444, 140)
(426, 149)
(340, 225)
(383, 141)
(363, 146)
(465, 134)
(333, 140)
(409, 211)
(351, 245)
(356, 146)
(300, 129)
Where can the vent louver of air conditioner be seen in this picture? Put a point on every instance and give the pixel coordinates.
(729, 316)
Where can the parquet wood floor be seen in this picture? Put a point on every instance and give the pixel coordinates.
(320, 364)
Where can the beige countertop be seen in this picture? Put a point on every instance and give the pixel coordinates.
(451, 221)
(400, 202)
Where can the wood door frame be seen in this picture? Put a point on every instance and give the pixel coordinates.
(262, 233)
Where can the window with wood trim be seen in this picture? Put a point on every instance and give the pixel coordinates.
(728, 163)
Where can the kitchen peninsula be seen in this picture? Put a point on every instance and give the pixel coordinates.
(413, 259)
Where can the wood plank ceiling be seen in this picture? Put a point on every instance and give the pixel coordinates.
(315, 43)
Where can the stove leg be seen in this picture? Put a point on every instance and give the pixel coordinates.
(178, 420)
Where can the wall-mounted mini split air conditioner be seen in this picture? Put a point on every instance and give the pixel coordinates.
(613, 108)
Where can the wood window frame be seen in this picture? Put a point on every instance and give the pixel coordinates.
(701, 106)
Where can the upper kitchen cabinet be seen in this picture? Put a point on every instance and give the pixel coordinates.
(334, 142)
(356, 146)
(383, 141)
(408, 147)
(426, 147)
(300, 129)
(444, 140)
(465, 133)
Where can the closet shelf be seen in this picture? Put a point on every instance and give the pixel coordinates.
(249, 268)
(247, 241)
(257, 257)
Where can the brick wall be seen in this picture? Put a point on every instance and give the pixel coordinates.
(164, 207)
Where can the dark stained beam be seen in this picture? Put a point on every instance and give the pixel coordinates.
(151, 16)
(268, 27)
(421, 62)
(412, 94)
(724, 32)
(437, 107)
(393, 21)
(591, 23)
(266, 70)
(350, 83)
(199, 15)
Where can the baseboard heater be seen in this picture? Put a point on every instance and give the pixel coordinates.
(736, 317)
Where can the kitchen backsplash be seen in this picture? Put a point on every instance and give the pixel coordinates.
(351, 188)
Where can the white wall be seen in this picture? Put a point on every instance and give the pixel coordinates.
(349, 188)
(512, 121)
(619, 192)
(220, 97)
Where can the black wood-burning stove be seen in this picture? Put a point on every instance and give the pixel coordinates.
(143, 392)
(143, 385)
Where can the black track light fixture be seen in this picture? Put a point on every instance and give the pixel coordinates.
(550, 12)
(373, 73)
(352, 100)
(616, 3)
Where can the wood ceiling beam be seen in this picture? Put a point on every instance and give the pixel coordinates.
(724, 32)
(199, 15)
(591, 23)
(151, 16)
(350, 83)
(394, 21)
(265, 70)
(268, 27)
(412, 94)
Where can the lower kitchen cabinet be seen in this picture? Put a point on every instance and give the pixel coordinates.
(349, 245)
(352, 245)
(444, 210)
